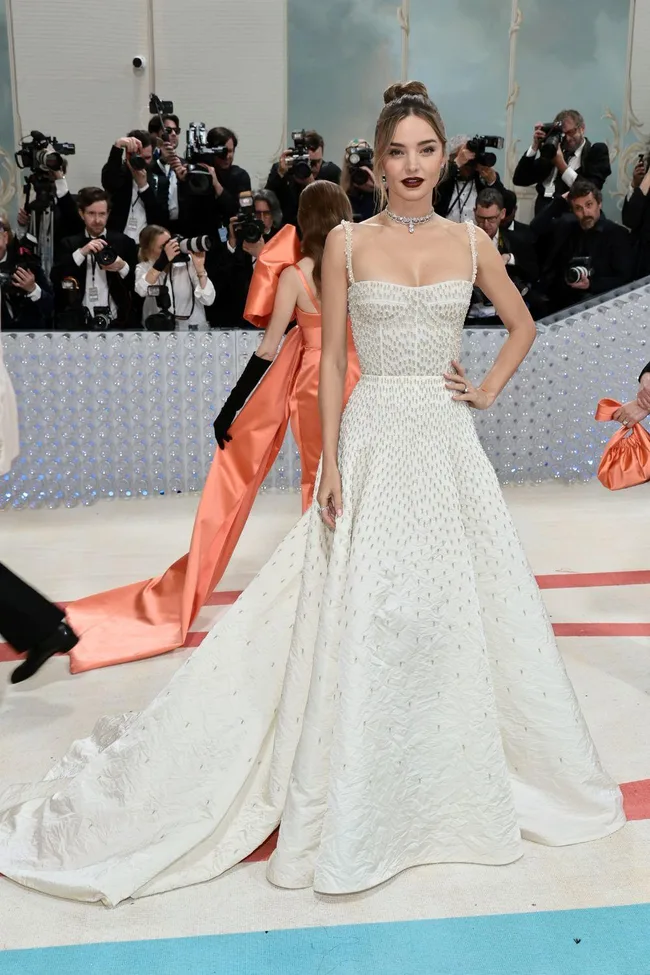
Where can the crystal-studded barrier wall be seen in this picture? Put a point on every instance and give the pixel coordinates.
(107, 415)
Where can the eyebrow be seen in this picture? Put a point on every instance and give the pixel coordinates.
(425, 142)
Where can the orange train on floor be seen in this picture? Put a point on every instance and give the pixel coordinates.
(148, 618)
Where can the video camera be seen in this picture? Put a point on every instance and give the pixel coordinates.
(554, 135)
(21, 255)
(43, 156)
(359, 157)
(248, 229)
(299, 162)
(200, 154)
(480, 143)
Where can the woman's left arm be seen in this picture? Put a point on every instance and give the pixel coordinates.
(494, 282)
(203, 287)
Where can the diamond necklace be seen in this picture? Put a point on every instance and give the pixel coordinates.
(410, 221)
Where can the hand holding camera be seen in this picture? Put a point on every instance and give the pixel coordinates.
(464, 156)
(198, 260)
(24, 279)
(284, 162)
(640, 171)
(131, 145)
(578, 273)
(172, 249)
(539, 134)
(93, 246)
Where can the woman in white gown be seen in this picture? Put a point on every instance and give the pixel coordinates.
(388, 688)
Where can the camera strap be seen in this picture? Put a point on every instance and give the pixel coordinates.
(460, 200)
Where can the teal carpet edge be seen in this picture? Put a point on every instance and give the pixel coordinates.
(598, 941)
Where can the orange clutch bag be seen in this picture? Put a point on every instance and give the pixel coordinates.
(626, 460)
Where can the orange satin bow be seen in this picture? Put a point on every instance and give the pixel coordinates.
(281, 252)
(626, 459)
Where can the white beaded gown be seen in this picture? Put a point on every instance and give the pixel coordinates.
(391, 694)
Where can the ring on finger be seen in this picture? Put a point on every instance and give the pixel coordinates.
(466, 388)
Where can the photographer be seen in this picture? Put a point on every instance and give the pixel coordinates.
(467, 174)
(358, 181)
(183, 278)
(166, 130)
(297, 168)
(516, 250)
(636, 216)
(91, 292)
(589, 254)
(230, 266)
(139, 191)
(560, 154)
(27, 295)
(229, 180)
(49, 212)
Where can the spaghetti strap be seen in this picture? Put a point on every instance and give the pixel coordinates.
(347, 226)
(310, 294)
(471, 230)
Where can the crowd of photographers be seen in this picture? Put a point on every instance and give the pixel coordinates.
(170, 240)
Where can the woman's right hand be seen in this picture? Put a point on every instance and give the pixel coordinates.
(172, 249)
(330, 496)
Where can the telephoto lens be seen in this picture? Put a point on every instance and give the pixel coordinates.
(195, 245)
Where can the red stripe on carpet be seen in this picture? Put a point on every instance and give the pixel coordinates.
(601, 629)
(586, 580)
(636, 796)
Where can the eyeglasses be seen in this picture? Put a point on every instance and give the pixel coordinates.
(173, 128)
(262, 213)
(488, 219)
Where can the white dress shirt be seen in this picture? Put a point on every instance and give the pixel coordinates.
(172, 199)
(188, 298)
(137, 218)
(96, 292)
(570, 174)
(463, 202)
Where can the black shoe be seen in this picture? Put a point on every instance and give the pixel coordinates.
(62, 640)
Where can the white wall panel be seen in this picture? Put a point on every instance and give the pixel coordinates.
(223, 62)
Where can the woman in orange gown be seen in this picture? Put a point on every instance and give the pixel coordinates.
(153, 617)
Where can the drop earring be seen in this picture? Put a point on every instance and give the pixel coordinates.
(383, 178)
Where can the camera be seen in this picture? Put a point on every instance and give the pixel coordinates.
(554, 133)
(100, 320)
(578, 269)
(480, 143)
(159, 107)
(248, 229)
(107, 255)
(137, 163)
(198, 154)
(42, 153)
(190, 245)
(299, 161)
(23, 256)
(43, 156)
(357, 158)
(162, 320)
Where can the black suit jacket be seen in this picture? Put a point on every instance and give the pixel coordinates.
(609, 247)
(288, 191)
(594, 166)
(636, 216)
(525, 271)
(446, 189)
(120, 289)
(118, 181)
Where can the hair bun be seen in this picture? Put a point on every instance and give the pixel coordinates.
(405, 88)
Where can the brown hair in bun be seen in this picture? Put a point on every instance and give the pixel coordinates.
(401, 100)
(401, 88)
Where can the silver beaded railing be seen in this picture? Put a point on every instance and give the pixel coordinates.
(107, 415)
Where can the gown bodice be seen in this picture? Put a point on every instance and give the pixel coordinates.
(400, 330)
